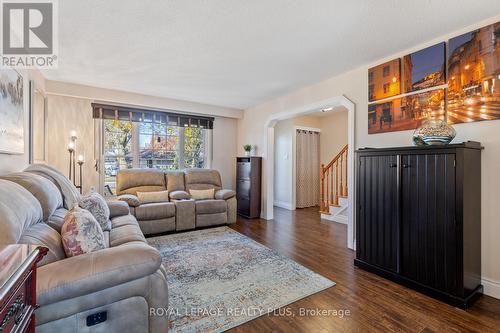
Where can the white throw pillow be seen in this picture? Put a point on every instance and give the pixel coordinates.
(202, 194)
(152, 197)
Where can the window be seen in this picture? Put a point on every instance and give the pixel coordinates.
(370, 76)
(387, 88)
(151, 143)
(386, 71)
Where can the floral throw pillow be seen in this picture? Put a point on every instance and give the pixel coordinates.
(81, 233)
(97, 206)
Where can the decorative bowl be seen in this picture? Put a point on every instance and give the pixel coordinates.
(434, 132)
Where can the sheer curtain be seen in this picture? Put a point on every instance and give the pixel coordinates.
(308, 163)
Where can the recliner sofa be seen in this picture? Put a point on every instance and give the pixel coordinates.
(180, 212)
(125, 280)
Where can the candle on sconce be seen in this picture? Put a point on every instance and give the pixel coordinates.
(81, 159)
(71, 146)
(73, 134)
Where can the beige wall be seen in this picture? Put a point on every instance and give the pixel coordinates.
(354, 85)
(11, 163)
(333, 134)
(66, 113)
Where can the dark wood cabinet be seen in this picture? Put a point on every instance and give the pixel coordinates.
(248, 183)
(419, 218)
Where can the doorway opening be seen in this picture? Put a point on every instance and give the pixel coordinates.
(272, 162)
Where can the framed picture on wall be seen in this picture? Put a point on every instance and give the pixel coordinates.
(474, 75)
(384, 80)
(425, 68)
(405, 113)
(11, 112)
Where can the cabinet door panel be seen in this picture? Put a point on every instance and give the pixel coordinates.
(428, 233)
(377, 224)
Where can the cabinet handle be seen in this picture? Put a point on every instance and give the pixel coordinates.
(393, 165)
(406, 166)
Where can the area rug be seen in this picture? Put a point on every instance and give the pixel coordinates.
(219, 278)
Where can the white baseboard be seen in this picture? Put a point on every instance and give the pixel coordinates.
(282, 204)
(491, 287)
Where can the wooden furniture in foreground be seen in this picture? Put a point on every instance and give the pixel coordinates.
(18, 286)
(248, 183)
(333, 181)
(419, 218)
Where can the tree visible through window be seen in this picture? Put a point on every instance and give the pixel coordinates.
(151, 144)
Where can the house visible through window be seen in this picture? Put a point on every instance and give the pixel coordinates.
(151, 144)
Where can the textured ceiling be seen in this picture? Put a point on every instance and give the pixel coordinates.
(239, 53)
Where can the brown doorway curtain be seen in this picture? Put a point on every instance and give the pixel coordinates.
(307, 168)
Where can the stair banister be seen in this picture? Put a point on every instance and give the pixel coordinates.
(333, 183)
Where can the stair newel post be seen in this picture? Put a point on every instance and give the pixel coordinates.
(322, 194)
(331, 184)
(336, 198)
(346, 170)
(341, 191)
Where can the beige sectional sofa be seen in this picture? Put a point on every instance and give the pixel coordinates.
(125, 280)
(180, 212)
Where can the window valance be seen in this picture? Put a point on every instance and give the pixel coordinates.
(106, 111)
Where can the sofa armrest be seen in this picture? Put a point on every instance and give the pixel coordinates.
(118, 208)
(131, 199)
(179, 195)
(224, 194)
(92, 272)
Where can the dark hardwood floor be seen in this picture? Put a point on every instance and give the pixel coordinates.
(375, 304)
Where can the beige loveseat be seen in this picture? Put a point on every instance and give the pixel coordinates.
(124, 280)
(180, 212)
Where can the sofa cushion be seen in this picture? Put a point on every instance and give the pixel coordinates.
(175, 180)
(119, 221)
(130, 181)
(44, 190)
(154, 211)
(179, 195)
(19, 209)
(56, 220)
(97, 206)
(224, 194)
(81, 233)
(207, 220)
(125, 234)
(152, 197)
(43, 235)
(151, 227)
(202, 179)
(210, 206)
(202, 194)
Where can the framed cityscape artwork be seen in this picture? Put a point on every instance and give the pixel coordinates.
(425, 68)
(405, 113)
(11, 112)
(384, 80)
(474, 76)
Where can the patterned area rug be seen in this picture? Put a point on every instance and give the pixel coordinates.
(219, 279)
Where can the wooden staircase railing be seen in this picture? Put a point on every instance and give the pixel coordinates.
(333, 181)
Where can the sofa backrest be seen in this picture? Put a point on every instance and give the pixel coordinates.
(19, 210)
(202, 179)
(175, 181)
(131, 181)
(44, 190)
